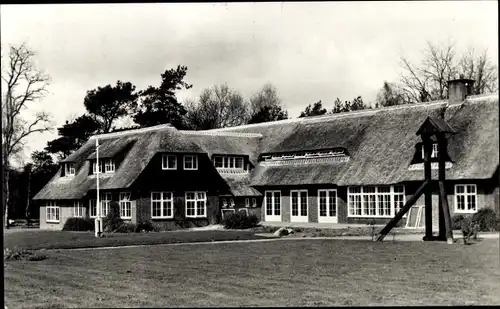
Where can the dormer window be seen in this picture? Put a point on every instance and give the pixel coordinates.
(434, 153)
(69, 169)
(169, 162)
(228, 162)
(190, 162)
(109, 166)
(94, 167)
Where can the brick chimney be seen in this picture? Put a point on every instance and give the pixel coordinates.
(458, 89)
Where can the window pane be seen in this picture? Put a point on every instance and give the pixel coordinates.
(218, 162)
(190, 195)
(277, 203)
(239, 162)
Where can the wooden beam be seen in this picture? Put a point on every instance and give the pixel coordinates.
(446, 213)
(403, 210)
(428, 193)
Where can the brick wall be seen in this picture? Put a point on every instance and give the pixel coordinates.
(142, 212)
(65, 212)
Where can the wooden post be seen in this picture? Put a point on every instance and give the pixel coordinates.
(445, 231)
(428, 193)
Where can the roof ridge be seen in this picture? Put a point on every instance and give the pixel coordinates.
(364, 112)
(133, 131)
(312, 119)
(218, 133)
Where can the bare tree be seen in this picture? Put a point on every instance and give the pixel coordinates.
(267, 96)
(391, 94)
(481, 69)
(429, 80)
(22, 85)
(217, 107)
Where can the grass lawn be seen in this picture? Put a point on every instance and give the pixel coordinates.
(43, 239)
(279, 273)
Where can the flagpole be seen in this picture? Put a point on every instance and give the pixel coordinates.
(98, 219)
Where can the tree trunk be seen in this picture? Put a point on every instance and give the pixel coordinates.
(27, 211)
(6, 192)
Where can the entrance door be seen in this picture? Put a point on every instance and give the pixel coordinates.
(327, 206)
(298, 201)
(272, 200)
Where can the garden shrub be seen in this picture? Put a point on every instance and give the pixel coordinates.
(456, 221)
(113, 219)
(487, 219)
(240, 220)
(146, 226)
(14, 255)
(79, 224)
(126, 227)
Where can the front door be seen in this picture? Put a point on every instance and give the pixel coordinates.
(327, 206)
(272, 200)
(298, 201)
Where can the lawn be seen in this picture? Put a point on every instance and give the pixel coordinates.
(309, 272)
(43, 239)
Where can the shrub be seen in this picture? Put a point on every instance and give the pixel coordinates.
(79, 224)
(240, 220)
(126, 227)
(487, 219)
(112, 220)
(146, 226)
(14, 255)
(456, 221)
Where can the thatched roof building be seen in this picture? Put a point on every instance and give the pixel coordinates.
(378, 146)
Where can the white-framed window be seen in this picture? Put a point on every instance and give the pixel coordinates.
(52, 211)
(105, 200)
(196, 204)
(254, 202)
(190, 162)
(247, 202)
(95, 165)
(375, 201)
(69, 169)
(231, 203)
(245, 210)
(125, 205)
(434, 152)
(399, 198)
(93, 208)
(298, 202)
(228, 162)
(162, 205)
(169, 162)
(465, 198)
(273, 205)
(78, 209)
(224, 203)
(109, 166)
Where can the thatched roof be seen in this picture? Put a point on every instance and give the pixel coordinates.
(146, 143)
(226, 143)
(381, 144)
(240, 185)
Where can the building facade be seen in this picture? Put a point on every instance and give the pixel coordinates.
(354, 167)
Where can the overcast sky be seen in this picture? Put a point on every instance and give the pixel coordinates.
(309, 51)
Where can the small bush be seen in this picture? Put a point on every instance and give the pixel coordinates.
(487, 219)
(79, 224)
(240, 220)
(456, 221)
(112, 220)
(126, 227)
(14, 255)
(144, 227)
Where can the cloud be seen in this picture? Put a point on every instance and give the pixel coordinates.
(309, 51)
